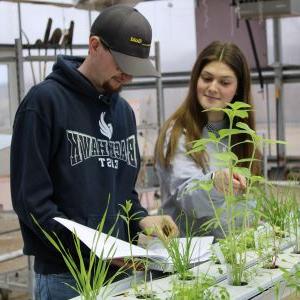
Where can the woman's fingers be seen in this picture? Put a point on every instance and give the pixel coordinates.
(222, 182)
(241, 179)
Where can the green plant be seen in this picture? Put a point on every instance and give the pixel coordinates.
(202, 288)
(237, 220)
(274, 208)
(292, 278)
(143, 291)
(128, 218)
(295, 222)
(278, 210)
(91, 278)
(179, 253)
(264, 245)
(248, 235)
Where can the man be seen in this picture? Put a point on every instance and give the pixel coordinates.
(74, 145)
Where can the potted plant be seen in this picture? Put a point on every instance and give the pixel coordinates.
(90, 279)
(275, 210)
(203, 288)
(137, 265)
(237, 219)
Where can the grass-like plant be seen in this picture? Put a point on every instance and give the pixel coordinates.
(293, 222)
(237, 220)
(128, 218)
(292, 278)
(203, 288)
(179, 253)
(91, 279)
(276, 210)
(143, 291)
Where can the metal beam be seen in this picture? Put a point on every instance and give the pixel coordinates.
(280, 119)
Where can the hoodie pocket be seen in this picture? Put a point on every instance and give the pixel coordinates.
(113, 224)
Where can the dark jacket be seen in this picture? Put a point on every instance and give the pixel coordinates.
(73, 148)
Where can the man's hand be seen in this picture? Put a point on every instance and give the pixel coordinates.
(161, 226)
(222, 181)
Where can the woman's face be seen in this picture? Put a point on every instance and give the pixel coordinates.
(216, 86)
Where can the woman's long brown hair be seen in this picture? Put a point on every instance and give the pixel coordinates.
(190, 118)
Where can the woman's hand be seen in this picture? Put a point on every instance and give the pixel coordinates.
(221, 181)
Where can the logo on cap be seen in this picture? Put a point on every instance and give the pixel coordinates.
(136, 40)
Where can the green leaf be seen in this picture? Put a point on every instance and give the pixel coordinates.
(226, 132)
(245, 127)
(241, 114)
(201, 142)
(225, 156)
(269, 141)
(205, 185)
(198, 149)
(201, 185)
(257, 179)
(238, 105)
(213, 137)
(243, 142)
(257, 139)
(221, 164)
(229, 113)
(230, 198)
(128, 205)
(242, 171)
(123, 217)
(247, 160)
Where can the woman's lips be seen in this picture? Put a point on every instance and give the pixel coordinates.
(212, 98)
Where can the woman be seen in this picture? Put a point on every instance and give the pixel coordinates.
(220, 75)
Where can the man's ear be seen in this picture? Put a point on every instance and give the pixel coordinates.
(94, 44)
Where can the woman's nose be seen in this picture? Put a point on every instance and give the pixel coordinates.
(213, 86)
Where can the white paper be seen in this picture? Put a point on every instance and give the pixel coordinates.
(105, 243)
(200, 248)
(111, 247)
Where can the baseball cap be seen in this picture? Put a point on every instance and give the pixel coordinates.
(128, 34)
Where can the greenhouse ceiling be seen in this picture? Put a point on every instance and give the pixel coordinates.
(82, 4)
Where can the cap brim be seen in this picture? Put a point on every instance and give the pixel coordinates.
(135, 66)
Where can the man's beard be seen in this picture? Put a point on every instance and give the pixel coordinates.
(107, 86)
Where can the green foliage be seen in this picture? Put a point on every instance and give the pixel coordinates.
(237, 240)
(181, 255)
(227, 156)
(274, 209)
(202, 288)
(91, 279)
(128, 217)
(143, 291)
(292, 278)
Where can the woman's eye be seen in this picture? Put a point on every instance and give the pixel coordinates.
(206, 79)
(225, 83)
